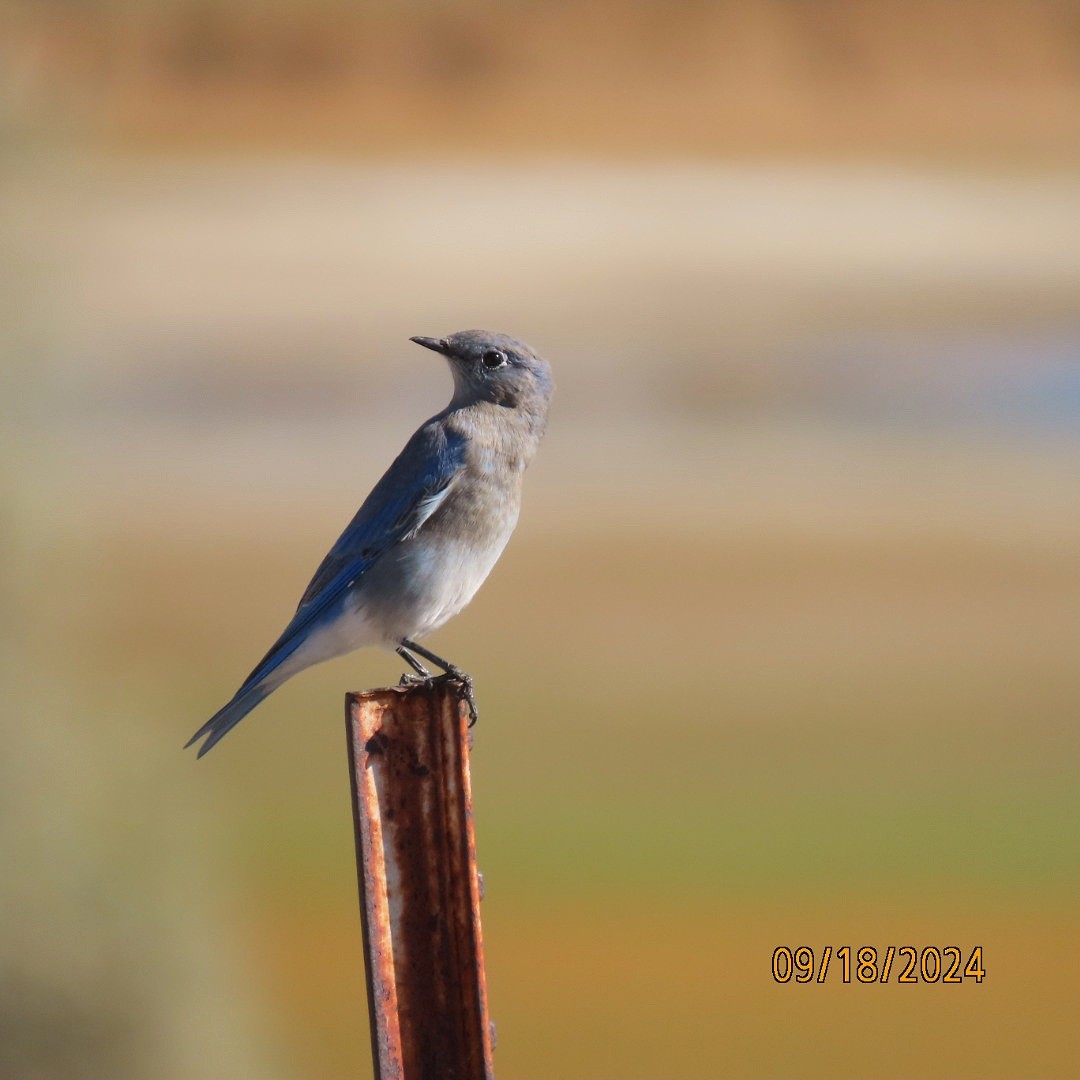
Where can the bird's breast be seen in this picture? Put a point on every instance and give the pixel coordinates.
(423, 581)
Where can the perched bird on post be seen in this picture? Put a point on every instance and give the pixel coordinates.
(429, 533)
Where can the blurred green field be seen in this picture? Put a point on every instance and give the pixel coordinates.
(693, 748)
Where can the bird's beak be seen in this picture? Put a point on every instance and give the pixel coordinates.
(439, 345)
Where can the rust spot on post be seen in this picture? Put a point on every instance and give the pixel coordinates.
(419, 889)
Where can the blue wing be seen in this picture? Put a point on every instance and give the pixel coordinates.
(399, 504)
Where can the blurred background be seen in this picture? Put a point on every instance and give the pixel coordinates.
(785, 650)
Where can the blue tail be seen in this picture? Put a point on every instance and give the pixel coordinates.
(226, 718)
(257, 687)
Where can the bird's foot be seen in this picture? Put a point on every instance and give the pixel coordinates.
(457, 675)
(468, 695)
(450, 671)
(422, 675)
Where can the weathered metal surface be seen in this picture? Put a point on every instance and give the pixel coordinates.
(419, 888)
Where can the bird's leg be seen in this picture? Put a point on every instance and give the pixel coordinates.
(452, 672)
(422, 673)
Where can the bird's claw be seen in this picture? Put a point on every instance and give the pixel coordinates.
(468, 695)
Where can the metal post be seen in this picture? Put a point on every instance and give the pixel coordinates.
(419, 888)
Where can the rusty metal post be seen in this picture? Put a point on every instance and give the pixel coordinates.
(419, 888)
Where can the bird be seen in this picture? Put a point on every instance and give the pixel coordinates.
(428, 534)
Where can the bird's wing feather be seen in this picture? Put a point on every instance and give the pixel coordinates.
(403, 500)
(409, 493)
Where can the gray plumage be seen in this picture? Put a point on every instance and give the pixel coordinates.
(431, 530)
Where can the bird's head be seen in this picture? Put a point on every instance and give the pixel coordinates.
(493, 367)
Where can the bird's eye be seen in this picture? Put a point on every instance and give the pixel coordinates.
(494, 358)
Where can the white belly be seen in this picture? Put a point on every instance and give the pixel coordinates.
(416, 588)
(349, 631)
(408, 593)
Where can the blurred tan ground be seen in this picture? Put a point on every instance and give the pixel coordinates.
(989, 79)
(785, 648)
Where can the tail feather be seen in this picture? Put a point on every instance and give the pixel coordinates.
(301, 645)
(227, 717)
(270, 673)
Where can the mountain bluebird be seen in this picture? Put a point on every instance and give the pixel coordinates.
(430, 531)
